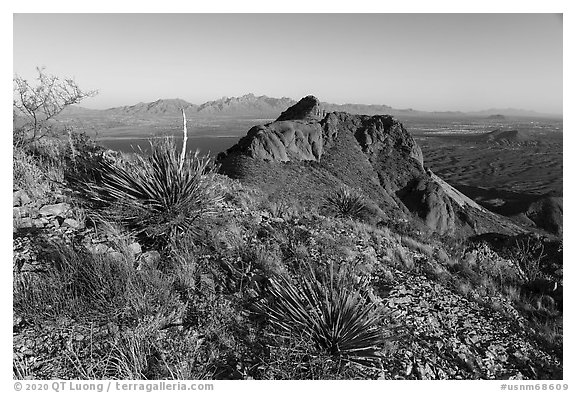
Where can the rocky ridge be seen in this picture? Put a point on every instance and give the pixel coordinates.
(374, 154)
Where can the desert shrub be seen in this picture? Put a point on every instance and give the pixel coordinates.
(40, 166)
(36, 105)
(400, 257)
(346, 203)
(281, 209)
(401, 227)
(72, 281)
(37, 174)
(265, 259)
(529, 253)
(328, 309)
(481, 264)
(415, 245)
(152, 196)
(237, 194)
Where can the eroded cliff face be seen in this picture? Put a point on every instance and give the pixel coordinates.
(306, 152)
(304, 131)
(291, 140)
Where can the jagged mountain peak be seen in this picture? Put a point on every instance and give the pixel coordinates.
(308, 108)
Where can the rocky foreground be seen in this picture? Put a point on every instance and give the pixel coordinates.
(437, 328)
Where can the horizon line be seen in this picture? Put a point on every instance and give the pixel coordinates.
(326, 102)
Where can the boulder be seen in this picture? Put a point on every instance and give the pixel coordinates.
(59, 209)
(149, 260)
(72, 223)
(40, 222)
(135, 248)
(24, 222)
(99, 248)
(20, 198)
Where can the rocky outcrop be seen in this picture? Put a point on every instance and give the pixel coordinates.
(426, 199)
(283, 141)
(304, 131)
(375, 155)
(547, 213)
(308, 108)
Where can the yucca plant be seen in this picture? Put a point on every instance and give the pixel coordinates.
(329, 310)
(154, 196)
(346, 203)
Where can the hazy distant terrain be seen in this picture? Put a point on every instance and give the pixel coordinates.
(229, 112)
(515, 155)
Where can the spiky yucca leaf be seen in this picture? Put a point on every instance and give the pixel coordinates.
(346, 203)
(150, 195)
(336, 316)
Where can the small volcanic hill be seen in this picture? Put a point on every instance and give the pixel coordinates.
(307, 153)
(509, 137)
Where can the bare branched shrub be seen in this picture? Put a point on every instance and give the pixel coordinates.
(35, 106)
(529, 253)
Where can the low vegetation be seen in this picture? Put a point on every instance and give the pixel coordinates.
(346, 203)
(153, 196)
(329, 312)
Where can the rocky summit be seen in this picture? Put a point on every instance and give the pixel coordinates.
(307, 151)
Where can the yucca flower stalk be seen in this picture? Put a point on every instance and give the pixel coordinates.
(337, 317)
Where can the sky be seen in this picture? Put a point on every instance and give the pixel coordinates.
(422, 61)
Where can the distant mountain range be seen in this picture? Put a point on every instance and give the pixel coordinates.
(250, 105)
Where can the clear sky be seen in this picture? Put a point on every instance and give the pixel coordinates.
(420, 61)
